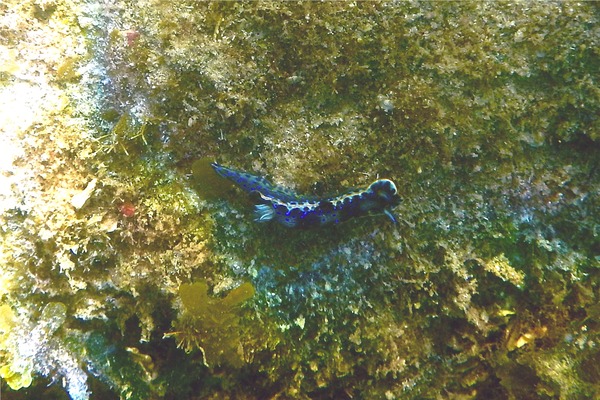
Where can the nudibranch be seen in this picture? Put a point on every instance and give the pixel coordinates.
(293, 211)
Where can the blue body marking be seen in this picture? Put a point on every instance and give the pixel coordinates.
(285, 207)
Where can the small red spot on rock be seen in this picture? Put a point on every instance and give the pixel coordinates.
(131, 36)
(127, 209)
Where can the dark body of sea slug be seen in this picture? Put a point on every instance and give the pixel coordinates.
(285, 207)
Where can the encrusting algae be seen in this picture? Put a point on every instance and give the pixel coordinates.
(129, 268)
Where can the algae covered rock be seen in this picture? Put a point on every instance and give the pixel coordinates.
(130, 269)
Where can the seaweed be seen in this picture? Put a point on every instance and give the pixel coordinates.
(212, 324)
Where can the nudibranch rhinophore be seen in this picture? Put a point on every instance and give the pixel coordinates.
(293, 211)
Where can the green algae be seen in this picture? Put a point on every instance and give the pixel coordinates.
(211, 324)
(16, 375)
(484, 113)
(127, 136)
(116, 367)
(207, 183)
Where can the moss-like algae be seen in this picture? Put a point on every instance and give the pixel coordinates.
(117, 368)
(211, 324)
(17, 375)
(485, 115)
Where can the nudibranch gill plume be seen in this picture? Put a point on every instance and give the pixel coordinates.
(293, 211)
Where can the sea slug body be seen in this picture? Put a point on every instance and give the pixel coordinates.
(285, 207)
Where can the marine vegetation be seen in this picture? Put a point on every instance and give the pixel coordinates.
(130, 269)
(212, 321)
